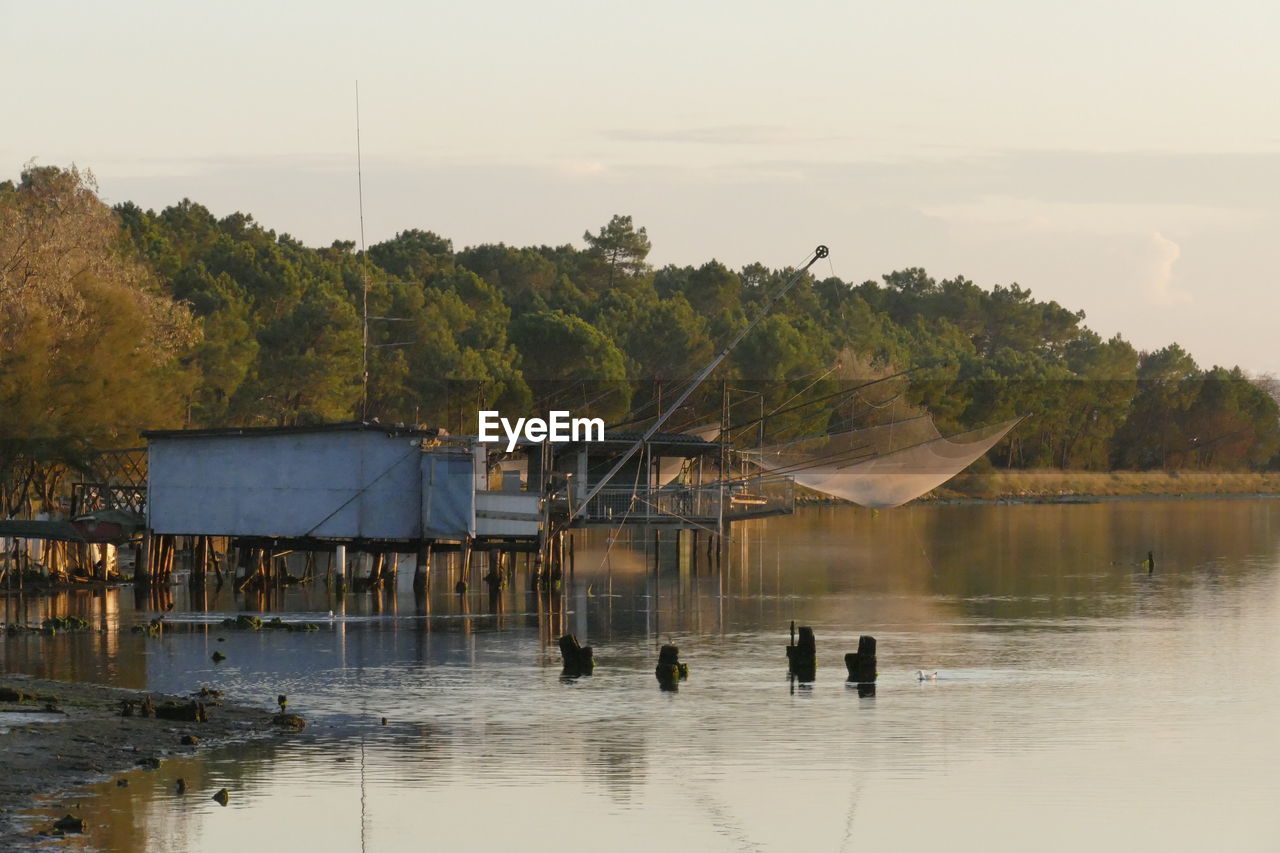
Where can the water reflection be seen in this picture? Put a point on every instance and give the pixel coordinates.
(1075, 690)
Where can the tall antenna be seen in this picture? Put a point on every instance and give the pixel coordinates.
(364, 275)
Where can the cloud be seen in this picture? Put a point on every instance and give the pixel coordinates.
(1157, 279)
(732, 134)
(581, 168)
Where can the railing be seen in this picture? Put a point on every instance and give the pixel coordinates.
(750, 497)
(755, 497)
(87, 497)
(669, 503)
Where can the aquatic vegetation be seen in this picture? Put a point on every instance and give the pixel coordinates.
(65, 623)
(8, 694)
(244, 622)
(290, 721)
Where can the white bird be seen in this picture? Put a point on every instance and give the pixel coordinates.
(921, 675)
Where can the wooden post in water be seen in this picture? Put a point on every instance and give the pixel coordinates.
(422, 568)
(802, 658)
(340, 566)
(217, 560)
(725, 539)
(160, 553)
(578, 660)
(862, 666)
(669, 671)
(141, 566)
(200, 561)
(160, 565)
(464, 575)
(236, 561)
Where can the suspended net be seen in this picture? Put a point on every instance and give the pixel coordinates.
(881, 466)
(670, 468)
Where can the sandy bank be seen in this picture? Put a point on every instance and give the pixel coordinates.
(91, 739)
(1054, 484)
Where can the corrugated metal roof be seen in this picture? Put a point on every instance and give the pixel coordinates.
(344, 426)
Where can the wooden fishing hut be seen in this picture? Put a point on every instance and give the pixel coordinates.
(671, 483)
(377, 489)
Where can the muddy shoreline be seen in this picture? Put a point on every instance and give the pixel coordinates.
(86, 740)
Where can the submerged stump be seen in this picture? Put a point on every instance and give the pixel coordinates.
(578, 660)
(802, 658)
(862, 666)
(669, 671)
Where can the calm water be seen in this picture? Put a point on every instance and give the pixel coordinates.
(1080, 703)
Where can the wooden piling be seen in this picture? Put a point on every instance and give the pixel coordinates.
(802, 658)
(217, 560)
(144, 569)
(464, 574)
(241, 571)
(141, 565)
(578, 660)
(200, 560)
(670, 671)
(862, 663)
(422, 568)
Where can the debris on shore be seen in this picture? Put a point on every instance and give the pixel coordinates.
(101, 731)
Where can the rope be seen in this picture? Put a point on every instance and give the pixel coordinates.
(635, 487)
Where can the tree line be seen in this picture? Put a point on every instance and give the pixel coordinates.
(116, 319)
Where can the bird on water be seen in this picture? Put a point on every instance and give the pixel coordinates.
(921, 675)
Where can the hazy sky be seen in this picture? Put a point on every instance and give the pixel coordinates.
(1119, 157)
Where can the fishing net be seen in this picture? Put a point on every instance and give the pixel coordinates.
(881, 466)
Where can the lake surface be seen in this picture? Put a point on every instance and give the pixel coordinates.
(1081, 704)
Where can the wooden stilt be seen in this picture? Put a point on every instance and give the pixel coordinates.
(200, 560)
(464, 576)
(422, 568)
(142, 565)
(217, 560)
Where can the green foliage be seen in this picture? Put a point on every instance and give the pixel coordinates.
(144, 319)
(91, 349)
(619, 249)
(561, 353)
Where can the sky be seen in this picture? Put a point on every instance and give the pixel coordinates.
(1121, 158)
